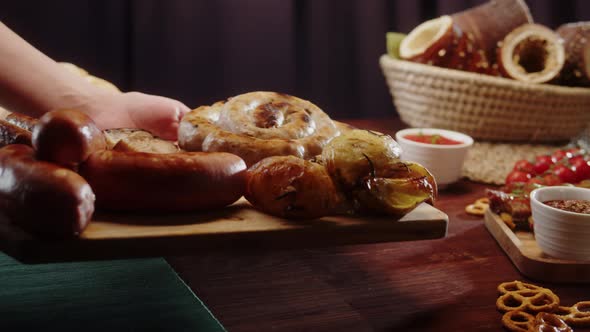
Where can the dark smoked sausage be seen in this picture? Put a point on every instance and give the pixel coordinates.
(40, 197)
(138, 181)
(66, 137)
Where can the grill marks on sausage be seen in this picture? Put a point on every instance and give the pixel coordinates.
(270, 115)
(23, 121)
(12, 134)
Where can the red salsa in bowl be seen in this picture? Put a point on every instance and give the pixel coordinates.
(570, 205)
(432, 139)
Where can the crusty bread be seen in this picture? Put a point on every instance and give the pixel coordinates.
(113, 136)
(137, 140)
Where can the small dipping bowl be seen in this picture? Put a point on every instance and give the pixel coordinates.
(445, 162)
(559, 233)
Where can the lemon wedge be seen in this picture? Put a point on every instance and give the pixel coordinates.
(393, 41)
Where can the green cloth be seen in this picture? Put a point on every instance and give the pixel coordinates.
(120, 295)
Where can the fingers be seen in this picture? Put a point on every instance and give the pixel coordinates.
(181, 110)
(159, 115)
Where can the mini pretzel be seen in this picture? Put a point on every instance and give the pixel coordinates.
(478, 208)
(530, 300)
(511, 286)
(475, 209)
(545, 321)
(520, 321)
(483, 201)
(576, 315)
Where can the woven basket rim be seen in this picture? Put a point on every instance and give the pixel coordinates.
(387, 61)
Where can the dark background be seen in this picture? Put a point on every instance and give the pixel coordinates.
(202, 51)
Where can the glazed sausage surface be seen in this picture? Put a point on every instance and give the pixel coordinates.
(11, 134)
(23, 121)
(290, 187)
(41, 197)
(138, 181)
(66, 137)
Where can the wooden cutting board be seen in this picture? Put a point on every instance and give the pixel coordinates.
(525, 254)
(237, 227)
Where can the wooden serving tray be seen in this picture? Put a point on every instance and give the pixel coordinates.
(525, 254)
(237, 227)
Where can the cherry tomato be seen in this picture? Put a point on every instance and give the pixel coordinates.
(534, 183)
(564, 173)
(575, 159)
(558, 155)
(544, 158)
(541, 167)
(542, 164)
(537, 180)
(581, 169)
(552, 180)
(517, 176)
(514, 187)
(572, 152)
(524, 166)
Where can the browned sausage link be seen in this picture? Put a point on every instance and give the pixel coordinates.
(164, 182)
(41, 197)
(66, 137)
(23, 121)
(11, 134)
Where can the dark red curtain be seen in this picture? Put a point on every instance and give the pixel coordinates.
(202, 51)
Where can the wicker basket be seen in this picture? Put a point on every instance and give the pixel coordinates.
(485, 107)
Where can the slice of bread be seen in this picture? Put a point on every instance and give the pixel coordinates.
(138, 140)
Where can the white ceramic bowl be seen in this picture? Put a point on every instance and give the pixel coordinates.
(445, 162)
(561, 234)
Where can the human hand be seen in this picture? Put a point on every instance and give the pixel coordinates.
(159, 115)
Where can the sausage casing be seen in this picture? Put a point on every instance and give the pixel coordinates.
(290, 187)
(66, 137)
(138, 181)
(41, 197)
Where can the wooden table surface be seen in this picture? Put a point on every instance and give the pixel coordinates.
(447, 284)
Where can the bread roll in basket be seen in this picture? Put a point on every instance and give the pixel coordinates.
(485, 107)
